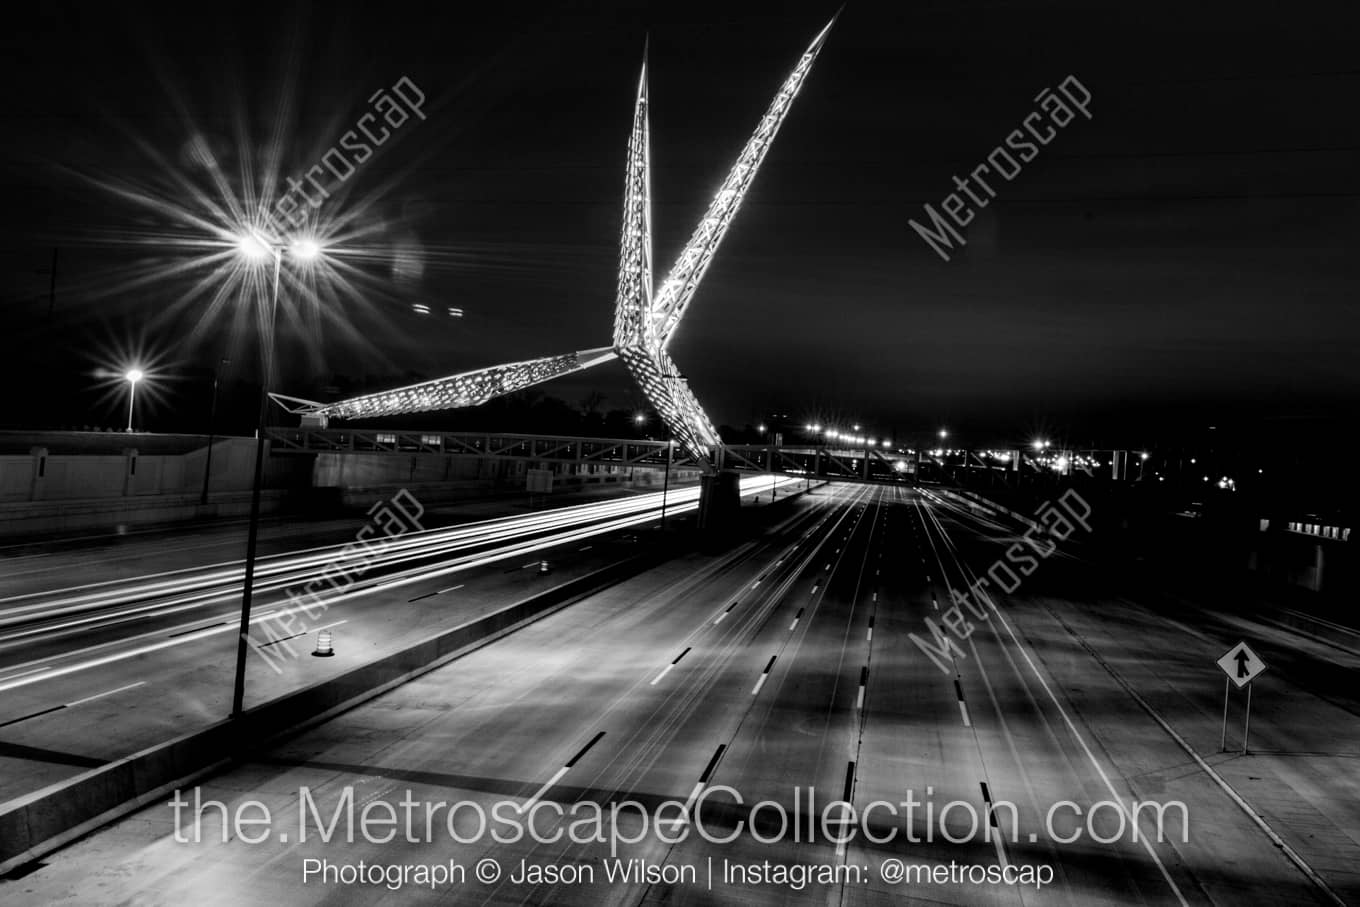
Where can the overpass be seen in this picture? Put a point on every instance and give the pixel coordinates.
(827, 461)
(810, 461)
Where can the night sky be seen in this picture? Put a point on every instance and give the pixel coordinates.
(1184, 258)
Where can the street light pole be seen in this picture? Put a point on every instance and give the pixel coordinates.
(253, 533)
(132, 398)
(212, 416)
(666, 481)
(132, 376)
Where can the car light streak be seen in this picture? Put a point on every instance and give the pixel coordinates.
(598, 520)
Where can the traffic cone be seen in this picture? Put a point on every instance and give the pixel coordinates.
(323, 645)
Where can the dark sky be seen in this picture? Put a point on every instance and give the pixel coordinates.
(1186, 257)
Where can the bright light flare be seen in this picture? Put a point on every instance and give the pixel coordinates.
(133, 375)
(305, 249)
(253, 247)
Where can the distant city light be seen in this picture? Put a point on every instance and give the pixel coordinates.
(420, 308)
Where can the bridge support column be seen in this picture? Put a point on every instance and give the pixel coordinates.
(719, 499)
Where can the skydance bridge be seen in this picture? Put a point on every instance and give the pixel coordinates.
(646, 316)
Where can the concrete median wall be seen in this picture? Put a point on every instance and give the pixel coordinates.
(40, 822)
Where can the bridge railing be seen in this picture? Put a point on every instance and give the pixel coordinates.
(493, 445)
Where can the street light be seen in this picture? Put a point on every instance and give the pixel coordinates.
(132, 376)
(256, 248)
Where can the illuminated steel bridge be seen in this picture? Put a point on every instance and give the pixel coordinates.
(645, 316)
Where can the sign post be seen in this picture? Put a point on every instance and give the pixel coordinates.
(1223, 737)
(1242, 666)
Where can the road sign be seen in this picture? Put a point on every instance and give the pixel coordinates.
(1241, 664)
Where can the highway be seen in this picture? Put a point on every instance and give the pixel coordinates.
(141, 654)
(790, 672)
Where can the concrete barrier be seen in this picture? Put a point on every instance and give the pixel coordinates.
(44, 820)
(32, 518)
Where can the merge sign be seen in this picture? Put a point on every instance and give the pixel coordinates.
(1241, 664)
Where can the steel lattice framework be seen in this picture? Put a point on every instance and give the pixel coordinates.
(677, 290)
(644, 320)
(455, 391)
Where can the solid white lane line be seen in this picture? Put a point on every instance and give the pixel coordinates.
(664, 671)
(1100, 770)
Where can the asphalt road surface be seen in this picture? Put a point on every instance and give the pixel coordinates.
(719, 710)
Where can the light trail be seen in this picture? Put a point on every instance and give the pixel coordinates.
(191, 587)
(597, 519)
